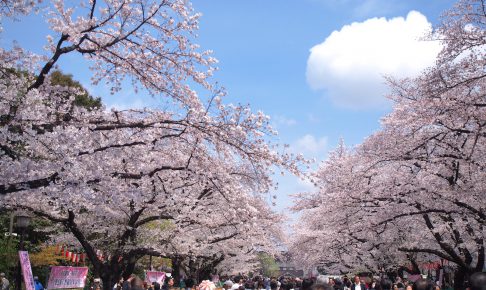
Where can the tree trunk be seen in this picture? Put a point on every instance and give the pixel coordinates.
(106, 278)
(191, 267)
(205, 272)
(176, 271)
(111, 274)
(129, 269)
(460, 276)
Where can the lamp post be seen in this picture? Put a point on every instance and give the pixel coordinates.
(22, 221)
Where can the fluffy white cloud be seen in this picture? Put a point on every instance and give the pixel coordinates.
(351, 63)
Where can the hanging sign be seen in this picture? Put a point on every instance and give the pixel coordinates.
(62, 277)
(26, 270)
(154, 276)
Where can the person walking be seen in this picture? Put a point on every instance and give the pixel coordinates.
(5, 283)
(358, 285)
(37, 284)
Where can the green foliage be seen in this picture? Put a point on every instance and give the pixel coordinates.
(83, 99)
(8, 255)
(47, 256)
(157, 263)
(36, 236)
(268, 265)
(162, 225)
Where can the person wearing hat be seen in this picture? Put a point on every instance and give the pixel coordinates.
(96, 284)
(4, 282)
(38, 284)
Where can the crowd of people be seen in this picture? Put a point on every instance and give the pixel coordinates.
(476, 282)
(135, 283)
(5, 283)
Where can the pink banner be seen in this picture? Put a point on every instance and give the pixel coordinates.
(26, 270)
(153, 276)
(62, 277)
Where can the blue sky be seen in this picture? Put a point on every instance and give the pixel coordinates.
(264, 49)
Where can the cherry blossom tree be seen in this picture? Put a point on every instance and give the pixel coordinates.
(415, 188)
(240, 253)
(183, 182)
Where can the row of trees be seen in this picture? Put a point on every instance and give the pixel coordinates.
(184, 182)
(415, 190)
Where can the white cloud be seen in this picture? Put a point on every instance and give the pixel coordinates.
(282, 120)
(310, 146)
(350, 64)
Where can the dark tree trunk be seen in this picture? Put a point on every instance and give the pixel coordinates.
(192, 270)
(129, 269)
(205, 273)
(106, 278)
(460, 276)
(176, 270)
(207, 267)
(111, 274)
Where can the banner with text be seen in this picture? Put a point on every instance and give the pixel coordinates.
(153, 276)
(26, 270)
(67, 277)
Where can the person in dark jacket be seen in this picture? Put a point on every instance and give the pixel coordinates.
(338, 284)
(358, 285)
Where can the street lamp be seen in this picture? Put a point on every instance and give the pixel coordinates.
(22, 221)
